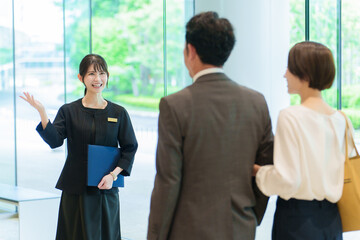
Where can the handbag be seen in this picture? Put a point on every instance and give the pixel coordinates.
(349, 203)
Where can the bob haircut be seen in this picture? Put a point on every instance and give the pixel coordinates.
(312, 62)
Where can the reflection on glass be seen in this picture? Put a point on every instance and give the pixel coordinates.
(351, 63)
(7, 140)
(40, 71)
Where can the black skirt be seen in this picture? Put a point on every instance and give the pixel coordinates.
(89, 216)
(302, 220)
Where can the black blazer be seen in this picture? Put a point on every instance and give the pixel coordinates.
(82, 126)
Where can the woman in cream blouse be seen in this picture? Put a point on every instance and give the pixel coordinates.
(308, 169)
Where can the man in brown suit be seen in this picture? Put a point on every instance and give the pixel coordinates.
(210, 135)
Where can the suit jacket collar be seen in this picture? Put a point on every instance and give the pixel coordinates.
(207, 71)
(212, 77)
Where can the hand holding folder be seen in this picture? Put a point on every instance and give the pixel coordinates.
(101, 161)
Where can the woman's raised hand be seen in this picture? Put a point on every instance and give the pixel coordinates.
(38, 106)
(33, 102)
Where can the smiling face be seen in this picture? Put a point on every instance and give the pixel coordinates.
(95, 81)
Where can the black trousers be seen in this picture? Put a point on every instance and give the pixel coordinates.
(89, 216)
(306, 220)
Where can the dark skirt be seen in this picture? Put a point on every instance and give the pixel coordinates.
(302, 220)
(89, 216)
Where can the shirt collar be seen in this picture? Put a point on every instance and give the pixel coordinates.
(207, 71)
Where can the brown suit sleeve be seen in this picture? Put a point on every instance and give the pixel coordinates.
(167, 185)
(264, 156)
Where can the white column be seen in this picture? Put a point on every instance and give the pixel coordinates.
(259, 58)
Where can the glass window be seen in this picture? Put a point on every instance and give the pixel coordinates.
(297, 21)
(323, 29)
(297, 32)
(129, 35)
(178, 13)
(133, 51)
(136, 37)
(39, 70)
(135, 54)
(351, 63)
(77, 44)
(7, 140)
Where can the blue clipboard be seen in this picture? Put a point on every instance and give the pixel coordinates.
(101, 161)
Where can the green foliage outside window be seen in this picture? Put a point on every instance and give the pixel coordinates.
(129, 35)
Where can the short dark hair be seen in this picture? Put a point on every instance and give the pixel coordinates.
(312, 62)
(212, 37)
(100, 65)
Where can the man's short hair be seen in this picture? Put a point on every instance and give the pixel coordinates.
(212, 37)
(312, 62)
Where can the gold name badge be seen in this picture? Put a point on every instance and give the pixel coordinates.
(112, 119)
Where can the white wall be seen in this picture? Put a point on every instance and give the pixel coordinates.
(259, 58)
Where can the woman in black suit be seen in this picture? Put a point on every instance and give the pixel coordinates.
(88, 212)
